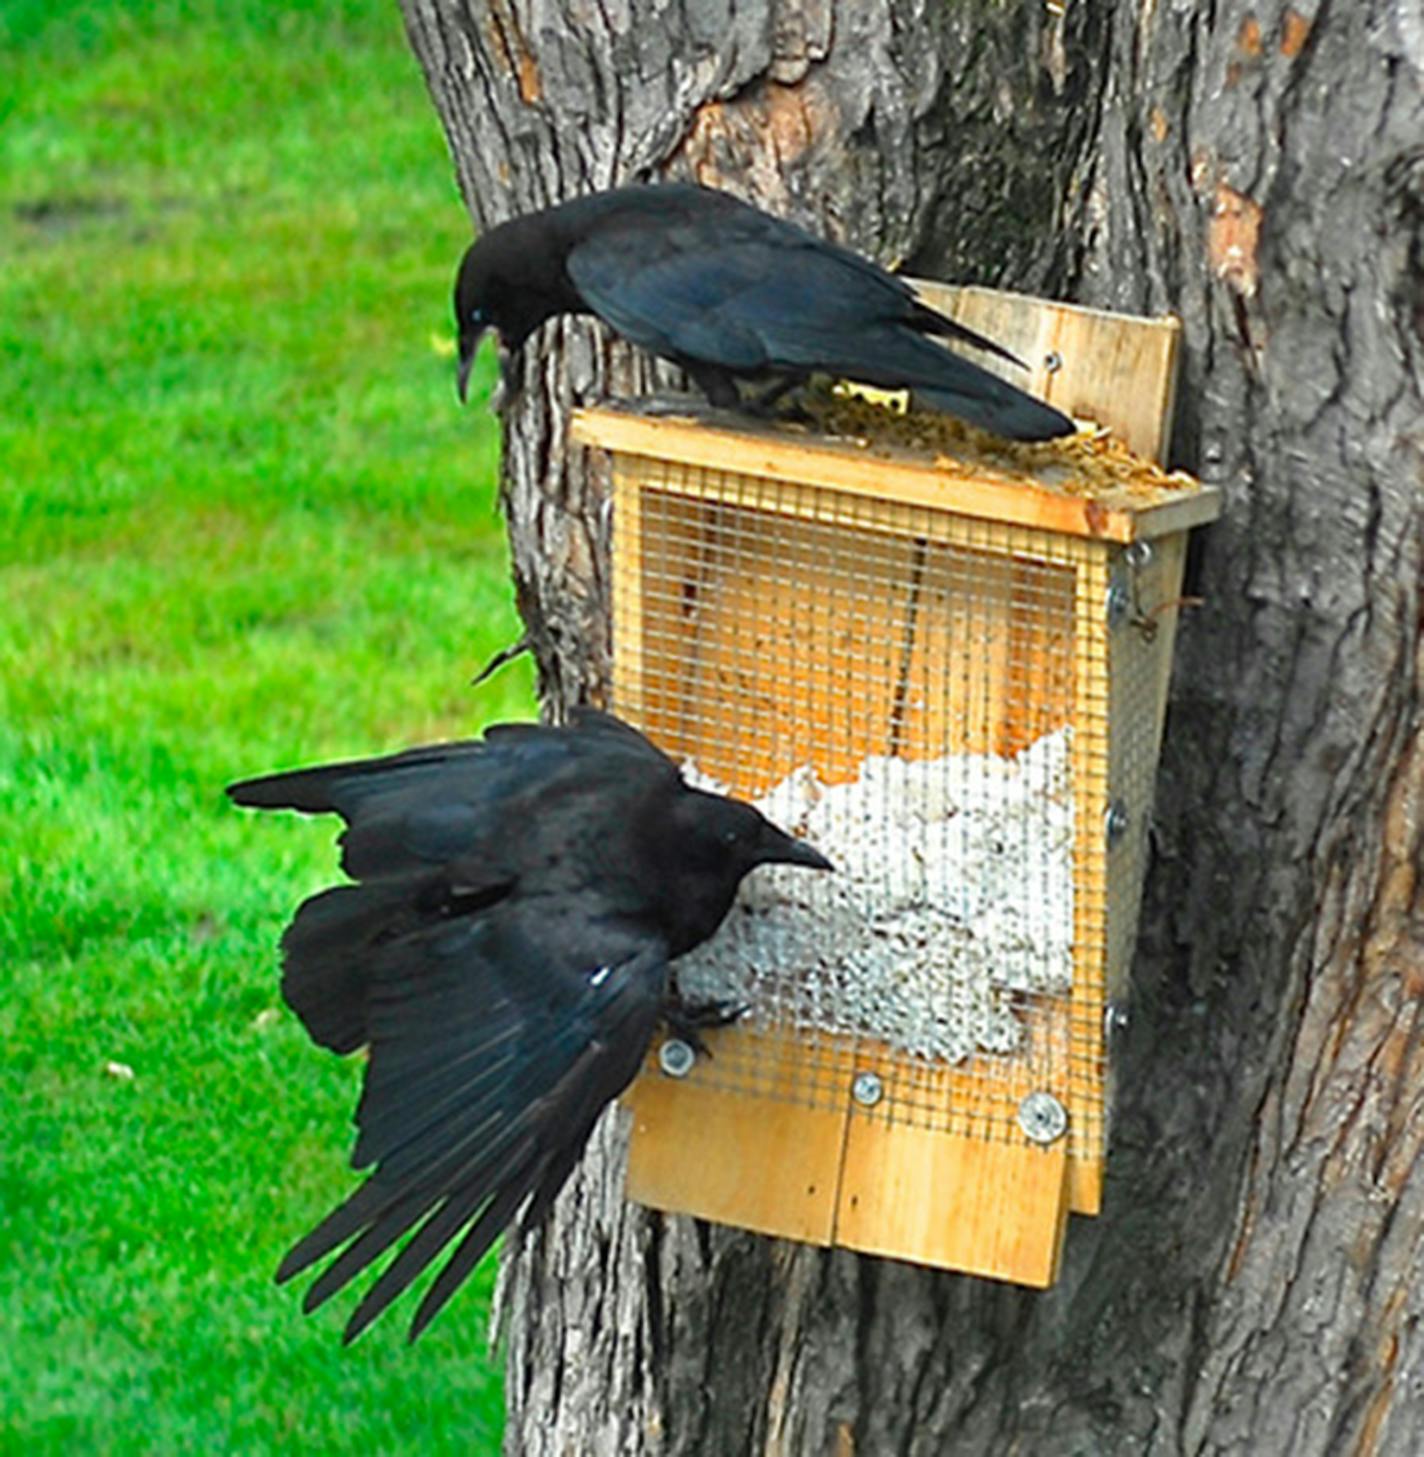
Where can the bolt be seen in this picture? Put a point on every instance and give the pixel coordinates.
(1043, 1118)
(676, 1057)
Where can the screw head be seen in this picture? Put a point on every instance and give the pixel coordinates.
(867, 1089)
(1053, 361)
(1043, 1118)
(676, 1057)
(1116, 821)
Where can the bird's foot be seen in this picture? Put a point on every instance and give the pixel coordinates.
(768, 405)
(792, 412)
(688, 1020)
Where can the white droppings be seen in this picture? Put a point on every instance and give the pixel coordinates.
(950, 902)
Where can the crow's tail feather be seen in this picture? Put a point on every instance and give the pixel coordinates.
(1007, 411)
(945, 381)
(894, 357)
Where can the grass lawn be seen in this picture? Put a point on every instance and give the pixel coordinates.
(243, 525)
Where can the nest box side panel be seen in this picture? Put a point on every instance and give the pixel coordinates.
(1140, 669)
(1141, 642)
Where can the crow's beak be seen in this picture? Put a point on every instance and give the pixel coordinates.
(469, 343)
(785, 849)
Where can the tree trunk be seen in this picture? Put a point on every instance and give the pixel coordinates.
(1253, 1284)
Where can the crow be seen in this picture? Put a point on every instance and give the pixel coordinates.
(504, 955)
(729, 293)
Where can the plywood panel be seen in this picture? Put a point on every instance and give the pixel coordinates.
(956, 689)
(993, 1209)
(759, 1162)
(850, 1176)
(991, 666)
(797, 656)
(1113, 368)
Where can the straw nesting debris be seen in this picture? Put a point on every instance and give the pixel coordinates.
(951, 900)
(1092, 463)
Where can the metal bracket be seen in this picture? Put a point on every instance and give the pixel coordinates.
(1124, 599)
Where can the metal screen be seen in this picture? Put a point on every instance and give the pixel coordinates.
(924, 697)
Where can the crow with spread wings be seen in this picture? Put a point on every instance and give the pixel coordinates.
(504, 955)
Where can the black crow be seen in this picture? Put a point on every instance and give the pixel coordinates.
(728, 292)
(504, 956)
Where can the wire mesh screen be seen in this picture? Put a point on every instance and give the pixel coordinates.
(923, 697)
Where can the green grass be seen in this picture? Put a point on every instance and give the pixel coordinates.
(242, 525)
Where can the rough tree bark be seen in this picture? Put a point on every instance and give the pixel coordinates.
(1253, 1284)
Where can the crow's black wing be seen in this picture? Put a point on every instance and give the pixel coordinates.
(443, 832)
(801, 308)
(893, 357)
(688, 271)
(473, 801)
(718, 288)
(496, 1042)
(699, 276)
(680, 302)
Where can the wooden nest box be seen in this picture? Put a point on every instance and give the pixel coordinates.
(945, 663)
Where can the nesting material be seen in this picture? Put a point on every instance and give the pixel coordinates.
(950, 903)
(1092, 464)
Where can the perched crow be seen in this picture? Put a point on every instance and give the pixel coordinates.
(728, 292)
(504, 955)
